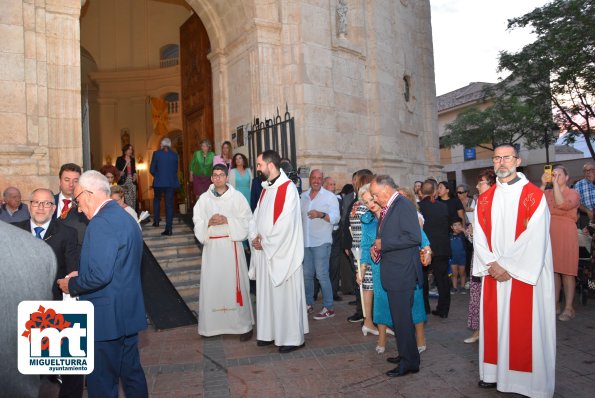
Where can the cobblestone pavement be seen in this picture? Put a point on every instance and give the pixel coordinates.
(339, 361)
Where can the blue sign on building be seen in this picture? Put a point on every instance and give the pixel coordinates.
(469, 154)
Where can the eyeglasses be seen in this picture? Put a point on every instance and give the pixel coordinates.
(588, 170)
(42, 204)
(461, 192)
(75, 200)
(507, 158)
(218, 176)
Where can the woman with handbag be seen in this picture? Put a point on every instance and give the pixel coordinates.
(126, 166)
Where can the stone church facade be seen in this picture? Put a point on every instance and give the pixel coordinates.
(358, 77)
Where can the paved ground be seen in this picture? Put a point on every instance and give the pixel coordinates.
(339, 361)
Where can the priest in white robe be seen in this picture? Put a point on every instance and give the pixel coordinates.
(221, 219)
(517, 350)
(276, 260)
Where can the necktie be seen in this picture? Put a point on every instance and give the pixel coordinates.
(38, 231)
(66, 208)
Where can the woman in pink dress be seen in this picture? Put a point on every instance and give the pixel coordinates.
(563, 203)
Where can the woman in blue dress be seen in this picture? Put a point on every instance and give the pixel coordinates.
(381, 313)
(240, 176)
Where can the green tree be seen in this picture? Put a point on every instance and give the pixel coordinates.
(509, 120)
(559, 64)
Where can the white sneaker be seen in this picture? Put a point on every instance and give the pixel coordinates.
(421, 349)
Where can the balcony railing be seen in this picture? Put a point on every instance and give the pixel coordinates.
(169, 62)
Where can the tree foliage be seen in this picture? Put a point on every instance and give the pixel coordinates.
(559, 64)
(509, 120)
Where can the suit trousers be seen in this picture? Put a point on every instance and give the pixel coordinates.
(169, 205)
(72, 386)
(115, 360)
(440, 271)
(400, 303)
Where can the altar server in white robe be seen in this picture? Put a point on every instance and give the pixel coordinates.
(276, 261)
(221, 219)
(517, 350)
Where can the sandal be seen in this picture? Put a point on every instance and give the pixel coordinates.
(566, 315)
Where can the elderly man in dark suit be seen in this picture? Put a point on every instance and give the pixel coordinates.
(164, 167)
(397, 243)
(63, 241)
(437, 227)
(109, 277)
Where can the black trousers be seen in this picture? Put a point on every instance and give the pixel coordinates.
(334, 268)
(440, 271)
(400, 303)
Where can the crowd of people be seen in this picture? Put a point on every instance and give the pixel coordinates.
(513, 248)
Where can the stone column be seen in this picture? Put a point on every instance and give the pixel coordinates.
(39, 91)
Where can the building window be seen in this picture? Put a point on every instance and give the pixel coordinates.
(169, 55)
(173, 103)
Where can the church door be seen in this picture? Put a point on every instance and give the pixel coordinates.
(197, 91)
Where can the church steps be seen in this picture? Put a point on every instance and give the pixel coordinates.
(179, 256)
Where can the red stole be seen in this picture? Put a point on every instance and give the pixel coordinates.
(521, 296)
(279, 199)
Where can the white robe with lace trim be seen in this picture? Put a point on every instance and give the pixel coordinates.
(281, 314)
(528, 259)
(219, 312)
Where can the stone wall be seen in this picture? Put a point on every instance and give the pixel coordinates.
(39, 91)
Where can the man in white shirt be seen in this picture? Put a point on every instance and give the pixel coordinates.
(320, 212)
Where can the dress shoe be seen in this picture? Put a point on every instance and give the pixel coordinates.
(366, 330)
(337, 298)
(483, 384)
(167, 232)
(472, 339)
(284, 349)
(355, 318)
(246, 336)
(262, 343)
(396, 372)
(155, 223)
(380, 349)
(441, 315)
(395, 360)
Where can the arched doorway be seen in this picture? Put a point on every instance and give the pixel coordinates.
(197, 92)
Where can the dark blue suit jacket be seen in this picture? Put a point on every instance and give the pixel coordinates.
(400, 238)
(109, 273)
(164, 167)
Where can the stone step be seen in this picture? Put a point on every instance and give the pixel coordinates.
(183, 275)
(179, 255)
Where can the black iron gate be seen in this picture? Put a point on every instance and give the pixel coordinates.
(276, 134)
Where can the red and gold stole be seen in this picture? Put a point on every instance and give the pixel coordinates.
(521, 297)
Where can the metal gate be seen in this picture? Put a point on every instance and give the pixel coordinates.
(276, 134)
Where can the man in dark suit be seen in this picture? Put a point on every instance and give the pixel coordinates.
(68, 177)
(164, 168)
(63, 241)
(436, 227)
(109, 277)
(397, 245)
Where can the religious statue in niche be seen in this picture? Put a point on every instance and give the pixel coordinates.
(341, 12)
(124, 137)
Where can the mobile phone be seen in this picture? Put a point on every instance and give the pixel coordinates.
(547, 169)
